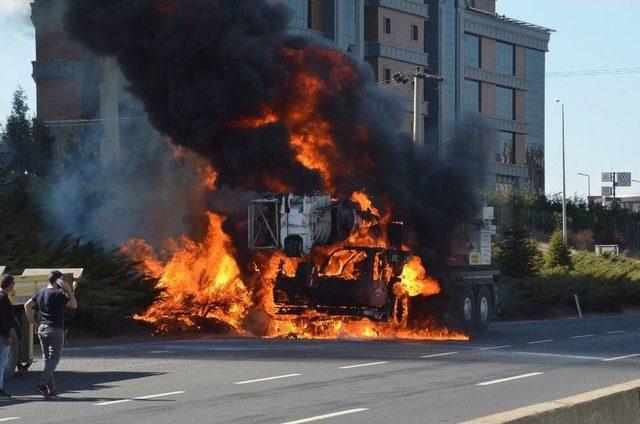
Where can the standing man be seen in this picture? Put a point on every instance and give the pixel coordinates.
(51, 301)
(7, 323)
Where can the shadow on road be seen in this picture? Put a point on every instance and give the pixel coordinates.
(23, 388)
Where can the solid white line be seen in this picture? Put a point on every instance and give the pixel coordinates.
(322, 417)
(540, 341)
(616, 332)
(583, 336)
(494, 347)
(557, 355)
(621, 357)
(502, 380)
(9, 419)
(435, 355)
(362, 365)
(257, 380)
(113, 402)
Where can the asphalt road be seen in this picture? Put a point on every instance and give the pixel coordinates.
(295, 381)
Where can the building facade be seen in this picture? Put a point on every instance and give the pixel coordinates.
(493, 69)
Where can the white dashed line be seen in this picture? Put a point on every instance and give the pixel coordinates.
(494, 347)
(583, 336)
(621, 357)
(113, 402)
(616, 332)
(502, 380)
(157, 352)
(435, 355)
(348, 367)
(540, 341)
(9, 419)
(324, 417)
(258, 380)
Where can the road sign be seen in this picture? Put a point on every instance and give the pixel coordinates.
(624, 179)
(607, 191)
(607, 177)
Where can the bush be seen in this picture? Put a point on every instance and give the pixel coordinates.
(603, 284)
(518, 254)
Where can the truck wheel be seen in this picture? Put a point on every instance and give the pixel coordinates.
(484, 309)
(466, 307)
(14, 357)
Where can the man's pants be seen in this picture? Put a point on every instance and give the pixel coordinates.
(51, 340)
(4, 359)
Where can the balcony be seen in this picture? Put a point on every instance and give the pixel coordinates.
(396, 53)
(57, 69)
(495, 78)
(407, 6)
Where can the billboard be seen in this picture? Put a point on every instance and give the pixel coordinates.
(624, 179)
(607, 177)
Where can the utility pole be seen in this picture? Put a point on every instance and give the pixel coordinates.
(564, 183)
(417, 78)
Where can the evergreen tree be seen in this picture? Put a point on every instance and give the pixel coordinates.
(26, 145)
(559, 253)
(517, 252)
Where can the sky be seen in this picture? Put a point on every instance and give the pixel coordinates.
(602, 113)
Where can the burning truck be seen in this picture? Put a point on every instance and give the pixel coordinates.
(365, 280)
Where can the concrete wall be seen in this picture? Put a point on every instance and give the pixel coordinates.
(618, 404)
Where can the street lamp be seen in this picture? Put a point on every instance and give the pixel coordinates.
(588, 183)
(564, 181)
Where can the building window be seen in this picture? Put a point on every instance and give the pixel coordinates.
(414, 32)
(471, 51)
(505, 59)
(505, 100)
(387, 25)
(387, 74)
(471, 96)
(505, 147)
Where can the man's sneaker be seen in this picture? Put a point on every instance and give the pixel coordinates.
(53, 392)
(4, 395)
(44, 390)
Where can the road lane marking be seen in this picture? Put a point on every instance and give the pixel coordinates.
(155, 352)
(324, 417)
(258, 380)
(633, 355)
(113, 402)
(494, 347)
(583, 336)
(348, 367)
(540, 341)
(558, 355)
(502, 380)
(9, 419)
(616, 332)
(435, 355)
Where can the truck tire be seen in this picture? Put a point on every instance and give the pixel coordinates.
(466, 306)
(14, 357)
(483, 309)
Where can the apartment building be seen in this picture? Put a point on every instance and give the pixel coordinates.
(493, 68)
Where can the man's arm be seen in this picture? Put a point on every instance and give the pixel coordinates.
(71, 303)
(29, 311)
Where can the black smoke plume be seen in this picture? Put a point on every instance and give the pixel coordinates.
(198, 66)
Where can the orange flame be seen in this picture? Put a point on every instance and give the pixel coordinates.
(202, 283)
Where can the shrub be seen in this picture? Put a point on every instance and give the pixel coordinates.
(558, 254)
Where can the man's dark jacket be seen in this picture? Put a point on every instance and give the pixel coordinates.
(7, 319)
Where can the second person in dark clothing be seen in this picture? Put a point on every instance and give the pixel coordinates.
(51, 302)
